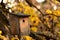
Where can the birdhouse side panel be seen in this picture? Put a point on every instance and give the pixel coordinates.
(13, 20)
(24, 26)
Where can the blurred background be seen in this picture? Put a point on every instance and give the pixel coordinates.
(44, 19)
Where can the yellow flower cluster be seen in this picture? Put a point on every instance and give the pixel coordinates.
(58, 24)
(34, 29)
(56, 12)
(56, 1)
(14, 38)
(2, 37)
(27, 38)
(48, 11)
(0, 32)
(58, 33)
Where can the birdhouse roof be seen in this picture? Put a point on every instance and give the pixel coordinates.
(20, 14)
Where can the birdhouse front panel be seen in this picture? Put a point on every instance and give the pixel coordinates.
(24, 26)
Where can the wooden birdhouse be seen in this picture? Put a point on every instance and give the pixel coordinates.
(19, 24)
